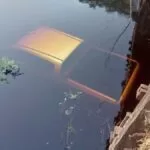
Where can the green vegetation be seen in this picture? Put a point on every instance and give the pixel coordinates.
(8, 67)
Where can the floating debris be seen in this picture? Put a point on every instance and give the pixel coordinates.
(72, 96)
(63, 104)
(8, 67)
(69, 110)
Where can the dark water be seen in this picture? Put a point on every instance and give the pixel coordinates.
(32, 116)
(95, 71)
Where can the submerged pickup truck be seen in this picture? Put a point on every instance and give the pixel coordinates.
(95, 71)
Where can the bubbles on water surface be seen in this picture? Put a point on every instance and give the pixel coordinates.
(67, 107)
(69, 110)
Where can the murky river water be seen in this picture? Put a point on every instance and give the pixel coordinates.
(34, 107)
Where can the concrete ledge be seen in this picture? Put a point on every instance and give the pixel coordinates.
(132, 125)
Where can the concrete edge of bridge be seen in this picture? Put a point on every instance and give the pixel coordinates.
(132, 128)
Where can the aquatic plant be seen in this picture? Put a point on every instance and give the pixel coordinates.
(8, 67)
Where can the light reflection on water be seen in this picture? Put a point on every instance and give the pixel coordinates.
(29, 106)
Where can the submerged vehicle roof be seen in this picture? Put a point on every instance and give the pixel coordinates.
(50, 44)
